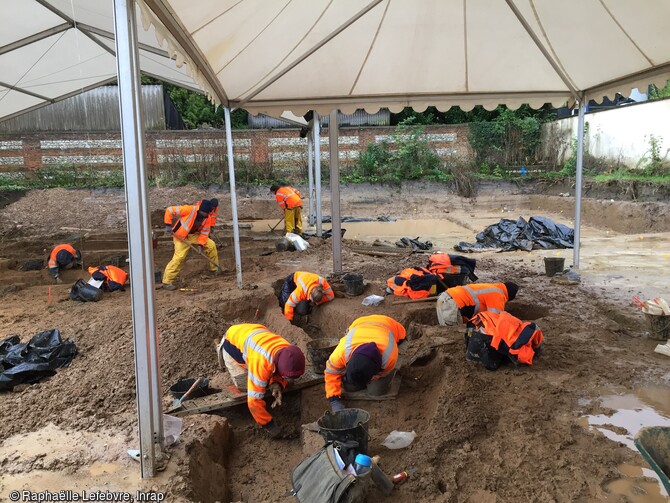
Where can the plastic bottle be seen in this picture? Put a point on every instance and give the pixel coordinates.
(362, 464)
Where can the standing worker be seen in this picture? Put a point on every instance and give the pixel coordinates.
(472, 299)
(193, 225)
(302, 291)
(368, 352)
(290, 201)
(63, 256)
(257, 359)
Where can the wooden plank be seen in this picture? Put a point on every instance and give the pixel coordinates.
(232, 397)
(363, 394)
(404, 300)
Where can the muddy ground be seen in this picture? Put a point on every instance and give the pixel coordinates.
(517, 434)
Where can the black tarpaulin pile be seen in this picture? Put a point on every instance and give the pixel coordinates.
(509, 235)
(29, 362)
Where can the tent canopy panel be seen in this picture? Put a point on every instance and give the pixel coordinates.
(27, 18)
(12, 102)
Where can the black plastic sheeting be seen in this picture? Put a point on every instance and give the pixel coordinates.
(27, 363)
(414, 244)
(509, 235)
(326, 219)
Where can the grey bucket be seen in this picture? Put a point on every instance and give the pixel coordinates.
(659, 326)
(344, 426)
(553, 265)
(318, 351)
(353, 283)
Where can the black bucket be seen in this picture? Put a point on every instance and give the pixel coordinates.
(553, 265)
(84, 292)
(353, 283)
(180, 387)
(345, 426)
(318, 351)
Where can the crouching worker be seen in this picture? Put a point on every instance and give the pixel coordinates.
(497, 337)
(63, 257)
(113, 278)
(258, 360)
(369, 352)
(301, 292)
(461, 303)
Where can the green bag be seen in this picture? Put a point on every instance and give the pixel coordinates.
(318, 479)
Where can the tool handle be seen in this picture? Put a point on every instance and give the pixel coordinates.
(191, 389)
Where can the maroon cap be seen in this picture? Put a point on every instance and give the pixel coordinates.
(290, 362)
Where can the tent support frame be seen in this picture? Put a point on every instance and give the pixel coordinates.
(335, 192)
(578, 181)
(233, 197)
(316, 130)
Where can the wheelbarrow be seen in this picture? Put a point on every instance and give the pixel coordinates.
(653, 442)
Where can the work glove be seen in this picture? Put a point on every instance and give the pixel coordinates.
(273, 429)
(275, 388)
(58, 281)
(168, 230)
(336, 404)
(201, 248)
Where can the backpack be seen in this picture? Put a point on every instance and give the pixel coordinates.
(318, 479)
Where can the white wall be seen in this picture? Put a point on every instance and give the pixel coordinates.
(620, 134)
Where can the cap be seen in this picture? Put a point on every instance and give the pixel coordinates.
(364, 364)
(206, 206)
(290, 362)
(215, 203)
(512, 289)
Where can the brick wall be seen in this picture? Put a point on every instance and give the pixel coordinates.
(281, 149)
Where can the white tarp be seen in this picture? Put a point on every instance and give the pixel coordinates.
(53, 49)
(324, 54)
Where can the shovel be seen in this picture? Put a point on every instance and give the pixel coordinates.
(177, 401)
(200, 253)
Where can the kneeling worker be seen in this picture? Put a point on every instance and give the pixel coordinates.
(258, 359)
(471, 299)
(368, 352)
(193, 226)
(302, 291)
(63, 257)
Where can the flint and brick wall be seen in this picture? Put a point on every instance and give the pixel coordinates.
(280, 148)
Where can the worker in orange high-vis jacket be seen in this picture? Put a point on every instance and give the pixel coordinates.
(188, 224)
(497, 337)
(290, 201)
(369, 351)
(463, 302)
(258, 360)
(113, 278)
(63, 256)
(302, 291)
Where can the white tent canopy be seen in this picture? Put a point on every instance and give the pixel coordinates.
(53, 49)
(299, 55)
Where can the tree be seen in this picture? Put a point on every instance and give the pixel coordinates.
(657, 94)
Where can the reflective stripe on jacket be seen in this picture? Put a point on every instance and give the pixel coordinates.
(440, 263)
(483, 296)
(305, 282)
(52, 258)
(115, 277)
(385, 332)
(510, 335)
(186, 216)
(414, 282)
(288, 197)
(258, 348)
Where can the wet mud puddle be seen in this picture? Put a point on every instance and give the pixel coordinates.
(647, 406)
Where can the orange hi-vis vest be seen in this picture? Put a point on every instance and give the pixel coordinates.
(518, 338)
(112, 275)
(305, 282)
(385, 332)
(52, 258)
(483, 296)
(258, 348)
(214, 214)
(400, 283)
(440, 263)
(186, 216)
(288, 197)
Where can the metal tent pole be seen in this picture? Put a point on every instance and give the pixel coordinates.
(147, 368)
(578, 182)
(310, 174)
(233, 197)
(335, 192)
(317, 172)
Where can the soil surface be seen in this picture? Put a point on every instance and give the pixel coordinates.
(517, 434)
